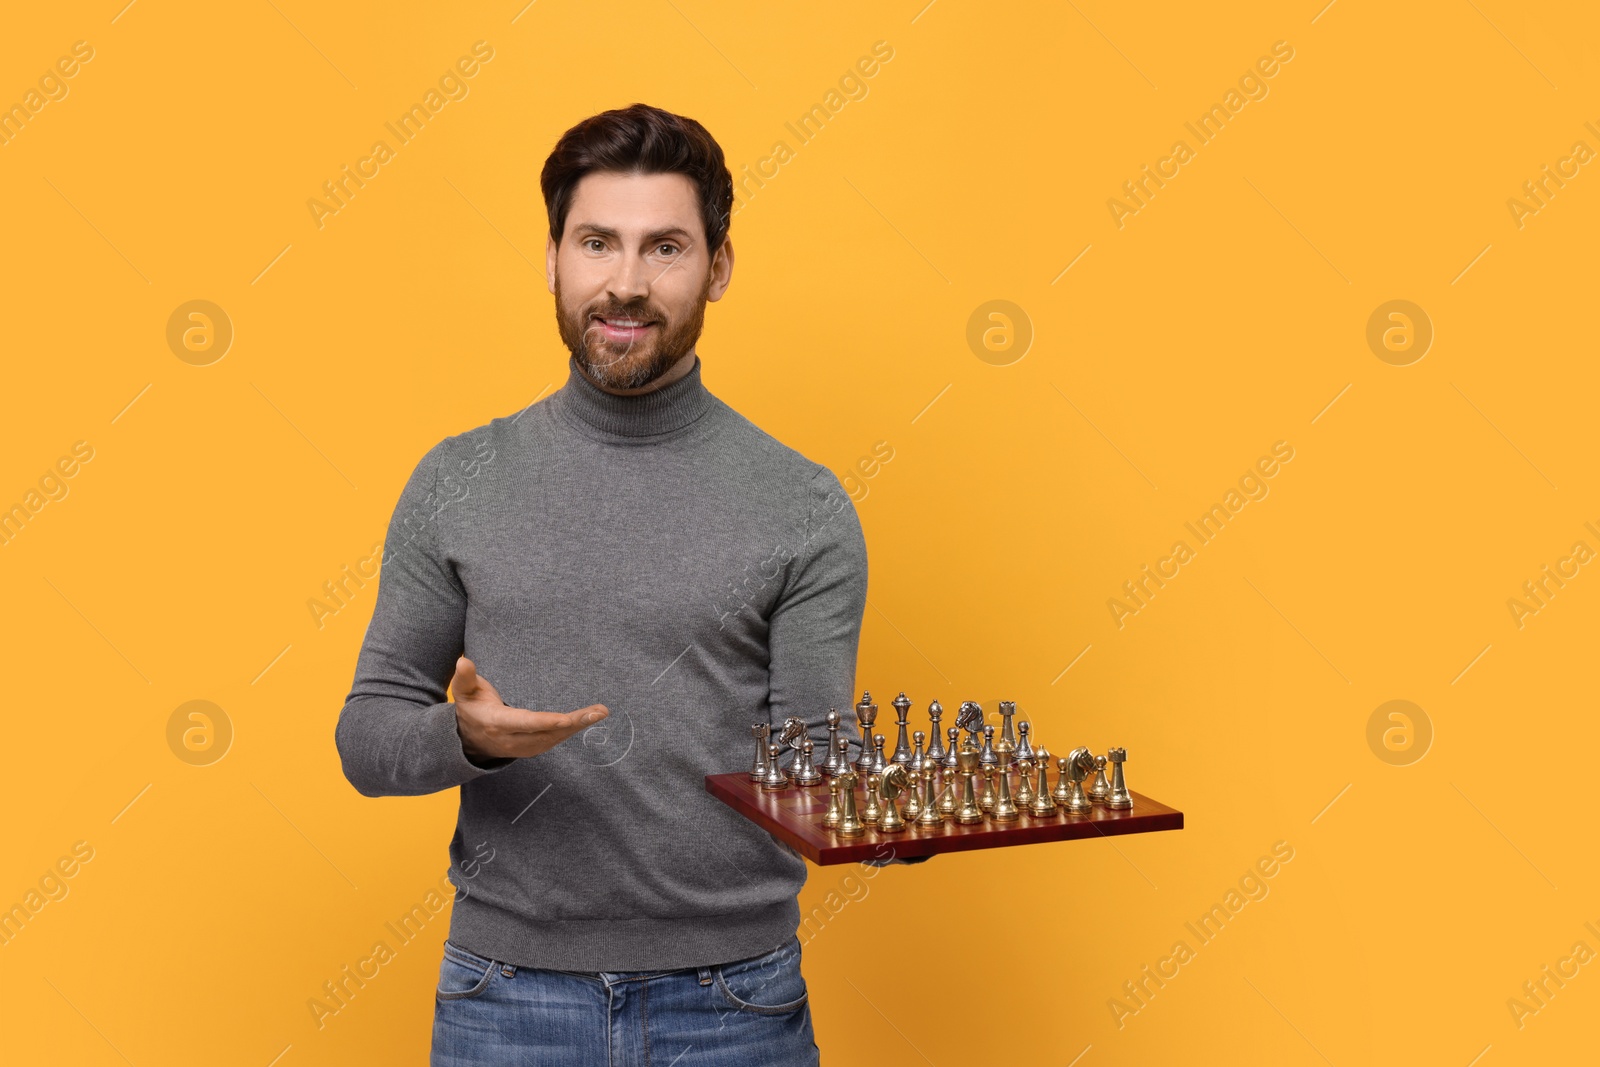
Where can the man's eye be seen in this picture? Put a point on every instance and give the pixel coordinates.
(673, 247)
(591, 242)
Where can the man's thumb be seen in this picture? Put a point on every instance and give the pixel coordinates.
(465, 682)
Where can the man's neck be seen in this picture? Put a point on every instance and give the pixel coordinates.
(673, 373)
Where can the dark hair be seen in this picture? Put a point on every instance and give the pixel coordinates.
(644, 140)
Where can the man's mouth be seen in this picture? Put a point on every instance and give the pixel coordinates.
(620, 328)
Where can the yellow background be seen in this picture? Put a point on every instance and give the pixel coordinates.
(1224, 316)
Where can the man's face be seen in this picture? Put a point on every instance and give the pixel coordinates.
(632, 275)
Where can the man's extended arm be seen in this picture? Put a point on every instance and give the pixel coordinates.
(397, 734)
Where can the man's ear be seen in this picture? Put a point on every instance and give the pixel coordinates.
(550, 263)
(721, 270)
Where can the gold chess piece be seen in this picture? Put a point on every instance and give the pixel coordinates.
(872, 811)
(850, 824)
(913, 809)
(890, 785)
(831, 819)
(930, 815)
(1120, 798)
(1024, 782)
(1061, 793)
(986, 800)
(1080, 764)
(1043, 804)
(1099, 789)
(1005, 808)
(968, 812)
(947, 798)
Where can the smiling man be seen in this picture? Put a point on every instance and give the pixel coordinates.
(614, 583)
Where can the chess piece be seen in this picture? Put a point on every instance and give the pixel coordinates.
(1099, 789)
(1024, 782)
(902, 746)
(1080, 764)
(850, 824)
(1005, 752)
(986, 799)
(1043, 804)
(872, 811)
(1005, 808)
(879, 764)
(917, 758)
(949, 762)
(1008, 711)
(970, 719)
(988, 756)
(833, 766)
(947, 798)
(935, 747)
(803, 772)
(1024, 749)
(758, 770)
(1120, 798)
(890, 785)
(776, 777)
(1061, 793)
(866, 715)
(968, 812)
(930, 815)
(842, 748)
(831, 819)
(913, 790)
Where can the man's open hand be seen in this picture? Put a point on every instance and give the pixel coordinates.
(489, 729)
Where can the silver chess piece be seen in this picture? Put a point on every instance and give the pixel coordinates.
(1099, 789)
(1008, 711)
(935, 747)
(970, 719)
(803, 772)
(902, 745)
(776, 777)
(879, 764)
(866, 715)
(1120, 797)
(950, 762)
(833, 765)
(793, 732)
(758, 770)
(1024, 749)
(917, 760)
(987, 755)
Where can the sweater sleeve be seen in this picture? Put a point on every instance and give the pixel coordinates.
(396, 734)
(815, 628)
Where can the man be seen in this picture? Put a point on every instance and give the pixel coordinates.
(615, 583)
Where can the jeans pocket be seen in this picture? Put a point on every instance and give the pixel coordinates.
(463, 974)
(769, 984)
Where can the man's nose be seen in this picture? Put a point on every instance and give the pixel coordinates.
(630, 281)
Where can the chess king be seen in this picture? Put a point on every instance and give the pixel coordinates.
(584, 605)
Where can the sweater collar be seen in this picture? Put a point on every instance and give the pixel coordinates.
(660, 411)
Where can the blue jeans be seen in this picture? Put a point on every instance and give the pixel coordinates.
(739, 1014)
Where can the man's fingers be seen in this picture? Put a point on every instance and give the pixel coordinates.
(523, 721)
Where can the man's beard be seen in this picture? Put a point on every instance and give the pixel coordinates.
(629, 364)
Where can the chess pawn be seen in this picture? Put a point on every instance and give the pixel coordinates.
(804, 772)
(1005, 808)
(950, 763)
(1043, 804)
(1062, 792)
(866, 715)
(1099, 789)
(1120, 798)
(1024, 749)
(913, 790)
(833, 766)
(758, 770)
(947, 798)
(917, 758)
(987, 755)
(1024, 783)
(890, 784)
(1079, 763)
(776, 777)
(902, 747)
(986, 800)
(935, 748)
(872, 811)
(850, 824)
(879, 764)
(968, 812)
(930, 815)
(831, 819)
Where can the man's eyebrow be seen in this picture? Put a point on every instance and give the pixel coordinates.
(606, 231)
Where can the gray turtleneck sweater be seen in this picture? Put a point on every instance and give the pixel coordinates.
(658, 554)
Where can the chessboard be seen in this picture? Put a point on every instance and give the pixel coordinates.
(793, 814)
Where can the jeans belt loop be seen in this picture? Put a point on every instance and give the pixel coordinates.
(705, 975)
